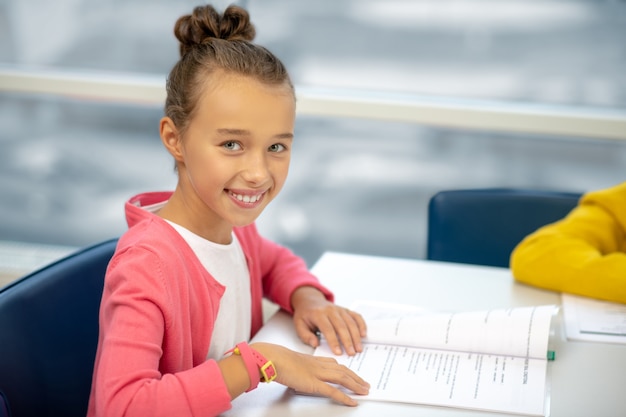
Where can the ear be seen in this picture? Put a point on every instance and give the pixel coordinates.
(171, 138)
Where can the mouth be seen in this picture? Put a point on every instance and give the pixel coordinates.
(250, 199)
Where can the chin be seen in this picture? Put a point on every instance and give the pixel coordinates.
(243, 222)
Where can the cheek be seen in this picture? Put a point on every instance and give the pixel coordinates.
(204, 172)
(281, 166)
(280, 172)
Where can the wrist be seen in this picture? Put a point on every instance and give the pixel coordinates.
(259, 368)
(306, 294)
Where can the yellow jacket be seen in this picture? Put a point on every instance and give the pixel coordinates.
(584, 253)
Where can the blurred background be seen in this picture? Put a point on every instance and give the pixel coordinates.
(361, 185)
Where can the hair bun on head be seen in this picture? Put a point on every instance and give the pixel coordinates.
(205, 24)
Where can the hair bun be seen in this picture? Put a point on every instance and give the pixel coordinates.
(205, 24)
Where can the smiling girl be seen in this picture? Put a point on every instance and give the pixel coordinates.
(183, 291)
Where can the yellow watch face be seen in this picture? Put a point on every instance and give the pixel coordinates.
(268, 371)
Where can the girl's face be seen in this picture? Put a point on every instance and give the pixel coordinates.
(234, 156)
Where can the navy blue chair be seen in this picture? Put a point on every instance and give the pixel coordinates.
(49, 333)
(4, 406)
(483, 226)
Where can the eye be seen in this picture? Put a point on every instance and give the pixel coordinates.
(232, 146)
(277, 147)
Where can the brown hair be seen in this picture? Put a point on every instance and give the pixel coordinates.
(210, 42)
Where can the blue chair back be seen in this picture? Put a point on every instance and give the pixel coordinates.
(483, 226)
(49, 333)
(4, 406)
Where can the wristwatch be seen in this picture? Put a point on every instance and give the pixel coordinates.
(255, 363)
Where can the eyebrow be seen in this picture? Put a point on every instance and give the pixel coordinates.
(235, 132)
(244, 132)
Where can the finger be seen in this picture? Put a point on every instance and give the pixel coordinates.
(337, 395)
(358, 329)
(346, 329)
(305, 333)
(327, 328)
(360, 322)
(344, 376)
(354, 382)
(355, 325)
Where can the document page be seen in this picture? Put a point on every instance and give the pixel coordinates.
(522, 331)
(446, 378)
(491, 360)
(594, 320)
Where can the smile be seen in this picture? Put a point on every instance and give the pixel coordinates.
(247, 198)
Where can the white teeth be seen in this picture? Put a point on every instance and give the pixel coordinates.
(247, 198)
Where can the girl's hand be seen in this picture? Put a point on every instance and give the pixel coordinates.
(313, 375)
(340, 326)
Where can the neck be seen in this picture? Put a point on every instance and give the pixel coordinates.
(193, 215)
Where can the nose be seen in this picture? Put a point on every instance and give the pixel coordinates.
(256, 168)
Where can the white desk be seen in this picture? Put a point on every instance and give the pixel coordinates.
(586, 379)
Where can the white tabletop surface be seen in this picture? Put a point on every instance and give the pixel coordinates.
(586, 379)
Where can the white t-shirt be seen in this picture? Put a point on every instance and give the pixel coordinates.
(227, 264)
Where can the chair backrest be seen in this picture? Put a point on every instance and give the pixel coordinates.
(483, 226)
(49, 333)
(4, 406)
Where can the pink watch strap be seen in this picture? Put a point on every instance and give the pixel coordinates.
(255, 364)
(245, 351)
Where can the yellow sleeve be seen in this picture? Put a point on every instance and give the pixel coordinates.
(583, 254)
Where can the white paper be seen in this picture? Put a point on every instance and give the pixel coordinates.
(454, 359)
(594, 320)
(516, 331)
(445, 378)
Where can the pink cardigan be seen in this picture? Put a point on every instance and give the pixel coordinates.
(158, 309)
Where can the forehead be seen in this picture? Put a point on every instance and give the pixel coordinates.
(228, 98)
(224, 83)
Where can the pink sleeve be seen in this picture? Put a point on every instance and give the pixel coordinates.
(282, 271)
(133, 375)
